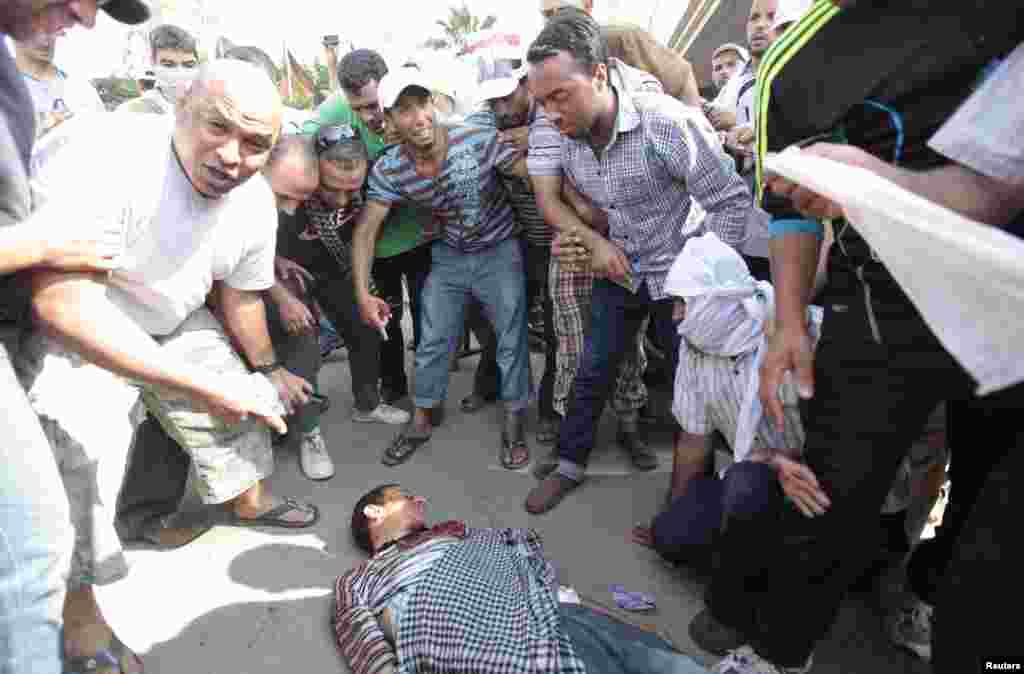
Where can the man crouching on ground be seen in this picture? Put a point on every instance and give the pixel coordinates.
(182, 218)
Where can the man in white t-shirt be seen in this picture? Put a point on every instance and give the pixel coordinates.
(56, 94)
(182, 217)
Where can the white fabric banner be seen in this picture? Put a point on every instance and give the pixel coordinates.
(966, 278)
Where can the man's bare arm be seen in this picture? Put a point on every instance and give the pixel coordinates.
(794, 259)
(963, 190)
(245, 318)
(557, 213)
(22, 248)
(74, 308)
(364, 241)
(954, 186)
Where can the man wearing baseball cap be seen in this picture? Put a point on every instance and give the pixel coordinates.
(35, 524)
(506, 105)
(475, 252)
(726, 60)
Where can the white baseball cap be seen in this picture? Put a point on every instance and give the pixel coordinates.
(554, 5)
(394, 84)
(499, 78)
(732, 46)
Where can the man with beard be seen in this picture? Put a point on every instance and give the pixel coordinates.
(175, 60)
(454, 172)
(641, 160)
(400, 252)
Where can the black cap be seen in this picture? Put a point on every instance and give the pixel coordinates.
(127, 11)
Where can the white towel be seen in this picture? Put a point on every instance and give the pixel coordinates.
(966, 278)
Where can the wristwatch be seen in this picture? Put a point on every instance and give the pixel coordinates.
(268, 368)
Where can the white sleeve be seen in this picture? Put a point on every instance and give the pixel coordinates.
(987, 133)
(84, 98)
(73, 193)
(254, 270)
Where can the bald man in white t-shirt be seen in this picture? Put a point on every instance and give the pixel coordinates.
(176, 206)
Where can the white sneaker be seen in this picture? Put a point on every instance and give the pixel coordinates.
(316, 463)
(745, 660)
(382, 414)
(910, 627)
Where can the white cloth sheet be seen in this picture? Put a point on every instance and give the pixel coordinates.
(966, 278)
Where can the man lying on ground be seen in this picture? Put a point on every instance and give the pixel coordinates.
(451, 598)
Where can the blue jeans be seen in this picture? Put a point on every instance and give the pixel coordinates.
(616, 316)
(35, 538)
(609, 646)
(495, 278)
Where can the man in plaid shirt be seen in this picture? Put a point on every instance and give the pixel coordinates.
(640, 159)
(450, 598)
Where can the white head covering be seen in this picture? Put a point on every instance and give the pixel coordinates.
(726, 311)
(789, 11)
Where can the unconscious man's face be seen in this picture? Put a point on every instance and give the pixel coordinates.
(401, 511)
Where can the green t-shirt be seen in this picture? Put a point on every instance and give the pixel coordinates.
(403, 229)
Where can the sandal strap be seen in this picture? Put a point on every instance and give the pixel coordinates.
(508, 452)
(287, 504)
(404, 445)
(110, 656)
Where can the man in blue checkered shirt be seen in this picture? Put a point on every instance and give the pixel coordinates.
(451, 599)
(641, 159)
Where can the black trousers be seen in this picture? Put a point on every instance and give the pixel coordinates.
(337, 297)
(388, 272)
(979, 434)
(971, 626)
(872, 400)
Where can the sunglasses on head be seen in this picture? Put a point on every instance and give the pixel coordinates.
(329, 136)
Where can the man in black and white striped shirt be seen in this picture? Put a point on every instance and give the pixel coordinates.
(507, 106)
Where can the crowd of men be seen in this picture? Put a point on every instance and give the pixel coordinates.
(186, 282)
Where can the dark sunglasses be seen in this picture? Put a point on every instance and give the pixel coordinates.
(329, 136)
